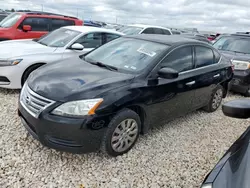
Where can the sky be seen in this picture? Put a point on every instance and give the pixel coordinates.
(207, 15)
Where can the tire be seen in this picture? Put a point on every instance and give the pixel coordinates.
(117, 140)
(28, 71)
(215, 100)
(247, 94)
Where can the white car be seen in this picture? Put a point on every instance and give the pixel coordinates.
(144, 29)
(18, 58)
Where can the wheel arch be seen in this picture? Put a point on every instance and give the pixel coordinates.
(37, 65)
(140, 110)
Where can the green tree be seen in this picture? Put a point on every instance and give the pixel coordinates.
(12, 10)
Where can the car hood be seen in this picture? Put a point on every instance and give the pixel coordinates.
(75, 79)
(235, 56)
(16, 48)
(233, 169)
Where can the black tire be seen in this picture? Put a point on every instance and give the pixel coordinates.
(116, 121)
(247, 94)
(210, 107)
(28, 71)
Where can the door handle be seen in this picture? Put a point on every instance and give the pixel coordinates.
(190, 83)
(217, 75)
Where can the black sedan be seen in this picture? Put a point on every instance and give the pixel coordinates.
(236, 47)
(111, 95)
(232, 170)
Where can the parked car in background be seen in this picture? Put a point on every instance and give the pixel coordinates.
(26, 25)
(108, 97)
(232, 170)
(3, 15)
(144, 29)
(199, 37)
(91, 23)
(18, 58)
(236, 47)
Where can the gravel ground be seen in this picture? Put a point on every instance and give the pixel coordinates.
(179, 154)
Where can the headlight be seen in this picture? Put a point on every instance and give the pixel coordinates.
(10, 62)
(207, 186)
(78, 108)
(241, 65)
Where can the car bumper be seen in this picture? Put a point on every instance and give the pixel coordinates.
(10, 77)
(64, 134)
(240, 82)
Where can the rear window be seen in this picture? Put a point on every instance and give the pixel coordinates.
(234, 44)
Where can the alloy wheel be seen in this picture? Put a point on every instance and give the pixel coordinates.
(217, 98)
(124, 135)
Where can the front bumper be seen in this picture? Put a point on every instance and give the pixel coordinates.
(64, 134)
(10, 77)
(240, 82)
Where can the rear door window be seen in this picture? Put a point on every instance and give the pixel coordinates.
(91, 40)
(203, 56)
(158, 31)
(166, 32)
(57, 23)
(180, 59)
(110, 37)
(148, 31)
(37, 24)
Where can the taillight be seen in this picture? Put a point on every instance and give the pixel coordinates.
(232, 66)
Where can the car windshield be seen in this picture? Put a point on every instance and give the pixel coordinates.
(130, 30)
(127, 54)
(10, 20)
(58, 38)
(234, 44)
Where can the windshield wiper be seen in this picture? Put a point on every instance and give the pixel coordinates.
(109, 67)
(41, 43)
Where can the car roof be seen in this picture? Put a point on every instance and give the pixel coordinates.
(165, 39)
(146, 26)
(87, 29)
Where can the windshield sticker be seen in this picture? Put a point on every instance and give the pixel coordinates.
(130, 67)
(146, 52)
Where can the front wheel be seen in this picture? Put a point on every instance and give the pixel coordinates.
(215, 100)
(122, 133)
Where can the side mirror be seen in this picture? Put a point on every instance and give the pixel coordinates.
(239, 108)
(77, 46)
(168, 73)
(27, 28)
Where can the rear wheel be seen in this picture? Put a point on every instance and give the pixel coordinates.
(247, 94)
(122, 133)
(28, 71)
(215, 100)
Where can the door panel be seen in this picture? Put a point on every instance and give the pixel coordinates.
(206, 81)
(171, 98)
(208, 75)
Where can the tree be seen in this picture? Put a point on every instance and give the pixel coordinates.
(12, 10)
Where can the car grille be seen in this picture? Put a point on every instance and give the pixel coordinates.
(33, 102)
